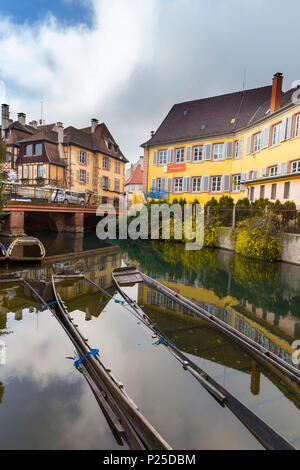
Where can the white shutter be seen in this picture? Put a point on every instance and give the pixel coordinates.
(265, 137)
(241, 148)
(188, 154)
(169, 185)
(249, 141)
(289, 127)
(255, 174)
(20, 172)
(45, 171)
(155, 157)
(207, 151)
(229, 149)
(170, 155)
(205, 184)
(263, 172)
(186, 184)
(34, 171)
(163, 184)
(283, 168)
(226, 183)
(153, 184)
(243, 176)
(283, 128)
(247, 175)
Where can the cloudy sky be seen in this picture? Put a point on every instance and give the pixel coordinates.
(126, 62)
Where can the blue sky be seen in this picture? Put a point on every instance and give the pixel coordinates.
(67, 11)
(126, 62)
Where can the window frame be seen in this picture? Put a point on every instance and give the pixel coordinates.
(176, 180)
(262, 196)
(273, 170)
(277, 127)
(297, 165)
(105, 159)
(286, 192)
(273, 187)
(257, 148)
(82, 157)
(220, 155)
(198, 184)
(236, 187)
(26, 147)
(218, 182)
(163, 161)
(181, 150)
(82, 172)
(196, 148)
(297, 125)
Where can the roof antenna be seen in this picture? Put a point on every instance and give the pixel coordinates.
(42, 122)
(244, 79)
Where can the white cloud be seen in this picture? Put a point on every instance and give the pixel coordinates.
(142, 56)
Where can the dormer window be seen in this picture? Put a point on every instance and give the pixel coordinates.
(38, 149)
(109, 145)
(29, 149)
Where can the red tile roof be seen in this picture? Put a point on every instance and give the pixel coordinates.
(137, 176)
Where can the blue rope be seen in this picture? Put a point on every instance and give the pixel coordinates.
(79, 361)
(51, 303)
(162, 340)
(124, 301)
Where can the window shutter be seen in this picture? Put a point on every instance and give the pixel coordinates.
(169, 185)
(241, 147)
(249, 142)
(87, 158)
(163, 184)
(289, 127)
(87, 177)
(153, 184)
(226, 183)
(78, 175)
(44, 171)
(148, 297)
(205, 184)
(207, 151)
(108, 183)
(20, 172)
(155, 157)
(263, 172)
(186, 184)
(170, 155)
(229, 149)
(255, 174)
(34, 171)
(188, 154)
(283, 168)
(243, 176)
(78, 156)
(283, 129)
(265, 137)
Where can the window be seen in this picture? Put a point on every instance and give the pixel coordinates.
(196, 185)
(178, 185)
(162, 157)
(38, 149)
(40, 171)
(297, 128)
(237, 147)
(82, 157)
(7, 157)
(262, 191)
(118, 167)
(198, 153)
(158, 184)
(218, 151)
(216, 184)
(257, 142)
(273, 191)
(82, 176)
(179, 155)
(105, 182)
(252, 193)
(286, 192)
(28, 150)
(117, 185)
(276, 134)
(296, 166)
(106, 163)
(273, 170)
(236, 183)
(25, 172)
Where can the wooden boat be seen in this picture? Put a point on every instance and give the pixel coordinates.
(26, 249)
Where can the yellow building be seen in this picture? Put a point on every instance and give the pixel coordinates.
(80, 160)
(221, 145)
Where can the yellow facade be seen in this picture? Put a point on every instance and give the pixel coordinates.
(260, 161)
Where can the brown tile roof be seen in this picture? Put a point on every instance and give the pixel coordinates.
(136, 177)
(212, 116)
(53, 154)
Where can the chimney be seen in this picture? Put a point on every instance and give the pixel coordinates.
(60, 138)
(94, 124)
(33, 124)
(4, 119)
(22, 118)
(276, 92)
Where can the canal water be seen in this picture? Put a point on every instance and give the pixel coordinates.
(46, 404)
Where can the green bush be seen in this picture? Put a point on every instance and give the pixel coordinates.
(258, 238)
